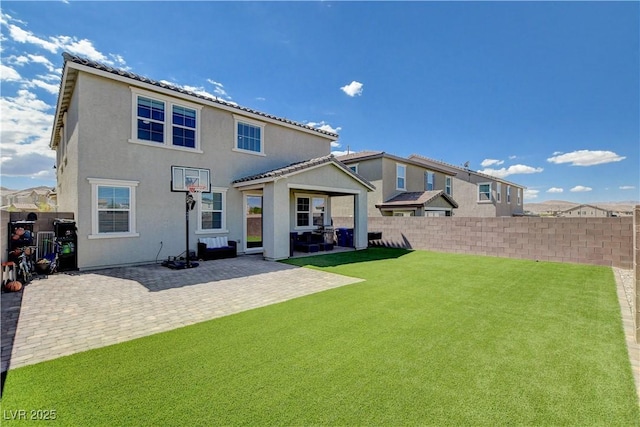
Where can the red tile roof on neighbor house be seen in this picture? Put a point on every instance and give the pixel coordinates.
(417, 199)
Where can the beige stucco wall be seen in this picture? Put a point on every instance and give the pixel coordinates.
(105, 115)
(381, 172)
(465, 192)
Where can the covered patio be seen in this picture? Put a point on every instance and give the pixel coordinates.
(296, 200)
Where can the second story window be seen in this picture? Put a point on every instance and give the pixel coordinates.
(519, 196)
(508, 194)
(429, 178)
(164, 122)
(484, 192)
(184, 127)
(249, 136)
(448, 186)
(498, 192)
(150, 119)
(401, 177)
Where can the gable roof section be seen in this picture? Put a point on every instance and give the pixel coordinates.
(298, 167)
(585, 206)
(417, 199)
(72, 64)
(368, 155)
(426, 160)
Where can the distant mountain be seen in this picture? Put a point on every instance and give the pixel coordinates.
(561, 205)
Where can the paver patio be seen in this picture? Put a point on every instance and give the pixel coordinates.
(68, 313)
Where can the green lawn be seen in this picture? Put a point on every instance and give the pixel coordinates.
(428, 338)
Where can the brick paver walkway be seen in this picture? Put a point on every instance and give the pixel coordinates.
(65, 314)
(624, 281)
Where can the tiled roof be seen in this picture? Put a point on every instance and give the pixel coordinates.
(300, 166)
(419, 158)
(25, 206)
(417, 198)
(128, 74)
(360, 155)
(367, 155)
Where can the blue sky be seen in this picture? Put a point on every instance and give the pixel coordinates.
(544, 94)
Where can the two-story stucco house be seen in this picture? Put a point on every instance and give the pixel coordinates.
(419, 186)
(403, 187)
(127, 147)
(478, 194)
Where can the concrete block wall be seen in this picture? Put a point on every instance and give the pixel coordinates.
(601, 241)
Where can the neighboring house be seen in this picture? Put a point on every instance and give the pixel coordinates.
(22, 207)
(478, 194)
(38, 196)
(421, 186)
(128, 146)
(403, 187)
(585, 211)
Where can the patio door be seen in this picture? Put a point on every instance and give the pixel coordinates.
(253, 223)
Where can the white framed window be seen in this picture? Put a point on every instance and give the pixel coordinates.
(429, 179)
(249, 136)
(519, 191)
(448, 186)
(484, 192)
(162, 121)
(508, 194)
(311, 211)
(212, 208)
(113, 208)
(354, 167)
(498, 192)
(401, 176)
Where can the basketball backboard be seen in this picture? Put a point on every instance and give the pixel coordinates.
(182, 177)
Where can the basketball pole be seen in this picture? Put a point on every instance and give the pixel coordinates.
(186, 204)
(189, 203)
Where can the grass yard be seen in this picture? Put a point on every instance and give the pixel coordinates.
(428, 338)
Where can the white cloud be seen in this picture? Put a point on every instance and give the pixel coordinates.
(39, 59)
(490, 162)
(340, 153)
(55, 44)
(25, 123)
(324, 126)
(8, 74)
(627, 187)
(513, 157)
(586, 158)
(51, 88)
(530, 194)
(555, 190)
(352, 89)
(511, 170)
(580, 189)
(23, 36)
(219, 89)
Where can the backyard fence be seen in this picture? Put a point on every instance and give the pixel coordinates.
(601, 241)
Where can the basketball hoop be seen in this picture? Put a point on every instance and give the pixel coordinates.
(196, 188)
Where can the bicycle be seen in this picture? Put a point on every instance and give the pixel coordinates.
(53, 257)
(25, 265)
